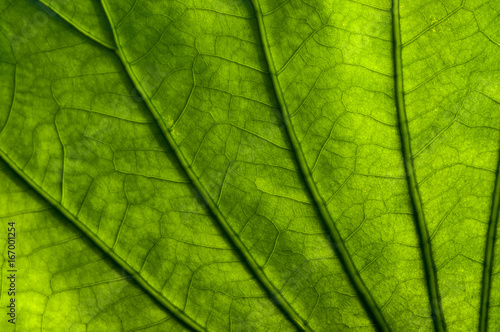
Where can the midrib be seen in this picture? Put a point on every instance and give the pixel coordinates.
(421, 226)
(337, 242)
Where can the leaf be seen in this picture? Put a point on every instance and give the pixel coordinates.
(252, 165)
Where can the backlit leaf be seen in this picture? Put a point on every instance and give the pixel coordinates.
(256, 165)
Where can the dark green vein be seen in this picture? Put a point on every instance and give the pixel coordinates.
(337, 242)
(423, 233)
(149, 289)
(232, 236)
(489, 255)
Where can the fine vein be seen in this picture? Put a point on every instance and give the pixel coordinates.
(488, 256)
(337, 242)
(423, 233)
(273, 292)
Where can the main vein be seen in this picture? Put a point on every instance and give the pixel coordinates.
(337, 242)
(233, 237)
(489, 255)
(423, 233)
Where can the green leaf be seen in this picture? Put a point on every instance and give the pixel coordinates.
(251, 165)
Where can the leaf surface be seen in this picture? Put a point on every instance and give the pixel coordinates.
(257, 165)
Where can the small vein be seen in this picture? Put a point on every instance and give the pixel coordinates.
(296, 52)
(434, 25)
(443, 219)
